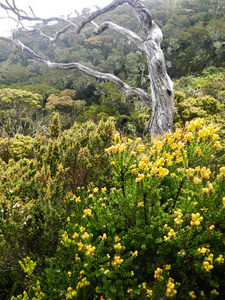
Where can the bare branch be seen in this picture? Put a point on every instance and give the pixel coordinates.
(51, 39)
(99, 12)
(125, 32)
(66, 66)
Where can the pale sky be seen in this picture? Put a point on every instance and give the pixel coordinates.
(49, 8)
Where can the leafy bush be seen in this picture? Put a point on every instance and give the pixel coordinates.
(157, 232)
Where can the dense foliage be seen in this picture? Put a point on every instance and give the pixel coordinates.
(87, 209)
(91, 216)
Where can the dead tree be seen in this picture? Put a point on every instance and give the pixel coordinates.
(161, 100)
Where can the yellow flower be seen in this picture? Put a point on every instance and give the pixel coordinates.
(198, 150)
(118, 246)
(130, 141)
(140, 148)
(203, 250)
(106, 272)
(104, 237)
(197, 180)
(149, 292)
(75, 235)
(141, 165)
(133, 153)
(196, 219)
(129, 291)
(217, 145)
(177, 134)
(82, 229)
(90, 196)
(215, 137)
(210, 257)
(87, 212)
(211, 227)
(80, 245)
(138, 140)
(140, 204)
(205, 173)
(192, 295)
(104, 190)
(117, 239)
(180, 145)
(85, 236)
(171, 233)
(207, 266)
(222, 171)
(158, 274)
(174, 146)
(163, 172)
(69, 274)
(223, 200)
(117, 137)
(140, 178)
(188, 136)
(205, 191)
(77, 199)
(135, 253)
(167, 267)
(90, 249)
(170, 291)
(220, 259)
(117, 260)
(95, 190)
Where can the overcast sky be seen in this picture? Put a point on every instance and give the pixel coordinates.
(48, 8)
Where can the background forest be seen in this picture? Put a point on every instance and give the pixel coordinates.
(88, 209)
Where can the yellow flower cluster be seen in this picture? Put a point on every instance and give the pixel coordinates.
(117, 238)
(220, 259)
(85, 236)
(170, 291)
(87, 212)
(203, 250)
(117, 260)
(83, 283)
(194, 124)
(178, 214)
(223, 200)
(196, 219)
(139, 178)
(222, 172)
(90, 249)
(118, 246)
(207, 266)
(205, 173)
(167, 267)
(104, 237)
(192, 295)
(171, 234)
(80, 246)
(158, 274)
(70, 293)
(208, 131)
(118, 148)
(135, 253)
(149, 292)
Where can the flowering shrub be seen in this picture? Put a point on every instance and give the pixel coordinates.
(155, 231)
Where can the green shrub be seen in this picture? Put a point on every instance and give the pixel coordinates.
(158, 232)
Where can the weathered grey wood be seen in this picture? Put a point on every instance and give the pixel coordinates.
(161, 100)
